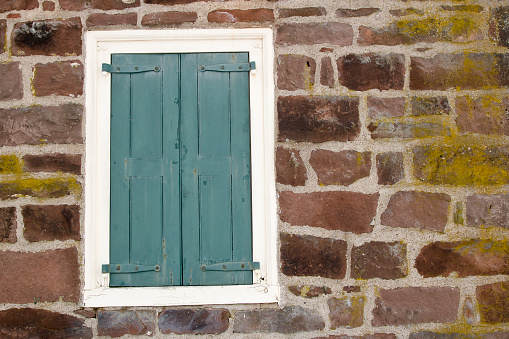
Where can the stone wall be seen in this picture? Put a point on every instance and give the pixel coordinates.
(392, 166)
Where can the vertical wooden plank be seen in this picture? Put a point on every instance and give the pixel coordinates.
(241, 173)
(172, 237)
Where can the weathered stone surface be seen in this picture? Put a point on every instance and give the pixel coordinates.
(469, 311)
(430, 106)
(465, 258)
(351, 13)
(48, 6)
(77, 5)
(304, 12)
(48, 275)
(334, 33)
(18, 5)
(39, 188)
(8, 225)
(389, 167)
(48, 222)
(59, 78)
(303, 255)
(36, 125)
(171, 2)
(352, 289)
(366, 336)
(485, 115)
(287, 320)
(414, 305)
(55, 162)
(453, 29)
(24, 323)
(346, 312)
(190, 321)
(168, 18)
(462, 165)
(48, 37)
(86, 312)
(340, 168)
(484, 210)
(493, 302)
(460, 71)
(406, 11)
(103, 19)
(378, 259)
(290, 169)
(327, 73)
(456, 335)
(407, 130)
(361, 72)
(318, 119)
(10, 164)
(499, 26)
(11, 86)
(309, 291)
(118, 323)
(3, 29)
(295, 72)
(239, 15)
(345, 211)
(463, 8)
(413, 209)
(386, 107)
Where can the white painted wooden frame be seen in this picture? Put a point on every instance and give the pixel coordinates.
(99, 47)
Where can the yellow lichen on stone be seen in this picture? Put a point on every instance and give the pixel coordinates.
(40, 188)
(454, 28)
(10, 164)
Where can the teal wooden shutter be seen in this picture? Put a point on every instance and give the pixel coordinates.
(180, 171)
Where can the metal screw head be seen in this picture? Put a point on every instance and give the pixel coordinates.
(202, 67)
(203, 268)
(135, 68)
(222, 67)
(157, 68)
(118, 68)
(242, 266)
(240, 67)
(158, 268)
(118, 267)
(135, 268)
(224, 267)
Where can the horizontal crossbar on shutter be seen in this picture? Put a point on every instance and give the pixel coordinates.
(129, 68)
(242, 67)
(129, 268)
(232, 266)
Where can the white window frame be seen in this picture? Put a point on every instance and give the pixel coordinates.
(99, 47)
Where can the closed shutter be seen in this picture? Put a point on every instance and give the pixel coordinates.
(180, 171)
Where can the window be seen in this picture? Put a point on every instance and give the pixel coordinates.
(181, 206)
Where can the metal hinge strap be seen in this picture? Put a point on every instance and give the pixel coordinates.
(129, 268)
(232, 266)
(245, 67)
(129, 68)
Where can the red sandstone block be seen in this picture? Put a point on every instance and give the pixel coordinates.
(379, 260)
(304, 12)
(119, 323)
(8, 225)
(56, 162)
(47, 222)
(484, 115)
(389, 167)
(48, 37)
(287, 320)
(354, 13)
(58, 78)
(333, 210)
(361, 72)
(385, 107)
(48, 6)
(309, 34)
(485, 210)
(309, 291)
(499, 25)
(318, 119)
(340, 168)
(346, 312)
(239, 15)
(103, 19)
(421, 210)
(327, 77)
(415, 305)
(190, 321)
(459, 71)
(40, 125)
(290, 169)
(46, 275)
(3, 29)
(430, 106)
(11, 84)
(18, 5)
(465, 258)
(493, 300)
(168, 18)
(78, 5)
(305, 255)
(23, 323)
(407, 130)
(295, 72)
